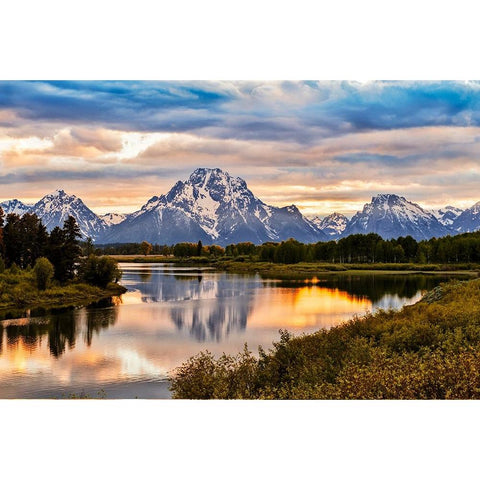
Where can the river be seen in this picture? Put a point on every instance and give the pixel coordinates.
(125, 348)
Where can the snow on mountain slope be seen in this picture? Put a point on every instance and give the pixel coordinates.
(213, 207)
(54, 208)
(332, 225)
(468, 220)
(447, 215)
(14, 206)
(110, 219)
(392, 216)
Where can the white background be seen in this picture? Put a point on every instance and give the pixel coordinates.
(359, 40)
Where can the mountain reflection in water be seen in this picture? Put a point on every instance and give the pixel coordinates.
(128, 345)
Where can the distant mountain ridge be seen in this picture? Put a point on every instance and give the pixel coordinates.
(54, 208)
(447, 215)
(113, 218)
(216, 208)
(14, 206)
(332, 225)
(392, 216)
(468, 220)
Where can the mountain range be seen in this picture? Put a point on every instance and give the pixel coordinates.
(216, 208)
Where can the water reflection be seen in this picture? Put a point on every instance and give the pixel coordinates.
(59, 331)
(210, 306)
(127, 346)
(213, 320)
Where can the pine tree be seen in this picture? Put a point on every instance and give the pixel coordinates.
(12, 240)
(56, 241)
(29, 225)
(2, 220)
(42, 240)
(71, 248)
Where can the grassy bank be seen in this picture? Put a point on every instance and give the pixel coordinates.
(430, 350)
(306, 270)
(19, 291)
(303, 269)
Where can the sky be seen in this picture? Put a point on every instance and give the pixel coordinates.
(323, 146)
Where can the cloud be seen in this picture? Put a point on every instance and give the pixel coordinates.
(317, 144)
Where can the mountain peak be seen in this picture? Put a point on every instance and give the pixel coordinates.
(207, 177)
(54, 208)
(59, 193)
(213, 206)
(201, 175)
(387, 197)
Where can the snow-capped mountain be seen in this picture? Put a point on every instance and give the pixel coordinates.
(54, 208)
(213, 207)
(392, 216)
(14, 206)
(468, 220)
(447, 215)
(333, 225)
(110, 219)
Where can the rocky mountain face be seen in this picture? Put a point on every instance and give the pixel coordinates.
(468, 220)
(14, 206)
(332, 225)
(447, 215)
(110, 219)
(213, 207)
(392, 216)
(53, 209)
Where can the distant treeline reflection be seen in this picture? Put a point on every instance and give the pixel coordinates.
(374, 287)
(370, 286)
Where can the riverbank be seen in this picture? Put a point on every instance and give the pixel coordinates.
(308, 270)
(303, 270)
(18, 291)
(430, 350)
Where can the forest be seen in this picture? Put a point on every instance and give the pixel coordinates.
(359, 248)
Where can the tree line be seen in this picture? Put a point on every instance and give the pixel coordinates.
(358, 248)
(372, 248)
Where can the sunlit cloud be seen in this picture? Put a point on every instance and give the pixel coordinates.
(322, 145)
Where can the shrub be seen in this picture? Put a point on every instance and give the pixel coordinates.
(2, 265)
(429, 350)
(100, 271)
(43, 272)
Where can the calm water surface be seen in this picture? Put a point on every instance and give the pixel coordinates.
(127, 346)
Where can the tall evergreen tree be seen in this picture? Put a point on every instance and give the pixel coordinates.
(42, 240)
(12, 236)
(71, 248)
(2, 221)
(55, 244)
(29, 226)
